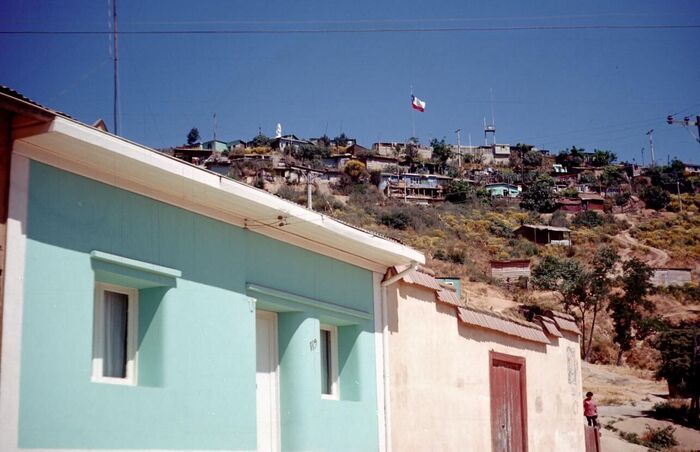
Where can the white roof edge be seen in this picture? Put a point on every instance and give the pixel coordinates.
(396, 253)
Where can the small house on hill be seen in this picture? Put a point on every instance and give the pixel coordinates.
(664, 277)
(194, 155)
(461, 378)
(568, 205)
(592, 201)
(503, 190)
(545, 235)
(511, 271)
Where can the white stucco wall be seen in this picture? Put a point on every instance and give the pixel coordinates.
(439, 380)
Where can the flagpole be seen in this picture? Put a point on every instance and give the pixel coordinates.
(413, 122)
(413, 116)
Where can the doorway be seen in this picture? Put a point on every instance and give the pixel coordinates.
(267, 381)
(508, 403)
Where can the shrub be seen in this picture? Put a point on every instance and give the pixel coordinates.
(559, 219)
(395, 220)
(456, 256)
(500, 229)
(631, 437)
(440, 254)
(569, 192)
(675, 410)
(588, 219)
(655, 197)
(660, 438)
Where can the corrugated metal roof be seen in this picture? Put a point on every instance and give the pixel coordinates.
(420, 279)
(543, 227)
(19, 96)
(491, 321)
(564, 322)
(549, 326)
(449, 296)
(591, 196)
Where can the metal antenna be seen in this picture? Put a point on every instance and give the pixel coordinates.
(116, 68)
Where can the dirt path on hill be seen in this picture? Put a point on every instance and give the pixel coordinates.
(656, 257)
(624, 398)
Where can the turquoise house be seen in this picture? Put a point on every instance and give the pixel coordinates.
(216, 145)
(502, 190)
(149, 304)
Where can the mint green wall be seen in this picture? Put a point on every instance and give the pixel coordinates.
(196, 336)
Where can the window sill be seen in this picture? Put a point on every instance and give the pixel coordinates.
(113, 381)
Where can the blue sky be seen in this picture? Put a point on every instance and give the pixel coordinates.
(551, 88)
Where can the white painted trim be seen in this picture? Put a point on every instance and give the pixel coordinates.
(379, 358)
(70, 142)
(44, 156)
(276, 427)
(335, 381)
(13, 304)
(387, 365)
(98, 335)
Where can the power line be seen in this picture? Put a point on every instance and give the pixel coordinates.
(354, 30)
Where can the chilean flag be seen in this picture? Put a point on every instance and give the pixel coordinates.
(417, 104)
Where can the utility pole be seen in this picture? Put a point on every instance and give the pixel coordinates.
(459, 148)
(116, 67)
(680, 201)
(309, 182)
(651, 146)
(686, 123)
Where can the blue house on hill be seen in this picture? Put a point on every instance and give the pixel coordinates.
(503, 190)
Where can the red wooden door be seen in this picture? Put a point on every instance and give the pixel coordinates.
(508, 403)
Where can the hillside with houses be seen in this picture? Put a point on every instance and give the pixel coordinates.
(504, 224)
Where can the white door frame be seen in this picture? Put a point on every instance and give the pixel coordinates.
(274, 396)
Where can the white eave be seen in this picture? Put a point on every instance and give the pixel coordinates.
(81, 149)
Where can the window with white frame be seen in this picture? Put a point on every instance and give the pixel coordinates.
(329, 362)
(114, 334)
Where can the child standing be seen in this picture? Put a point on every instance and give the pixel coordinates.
(590, 410)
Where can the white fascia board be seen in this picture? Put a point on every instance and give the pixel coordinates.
(204, 189)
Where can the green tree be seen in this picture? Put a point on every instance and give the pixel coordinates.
(584, 289)
(539, 195)
(565, 276)
(458, 191)
(261, 141)
(410, 151)
(311, 152)
(193, 136)
(571, 157)
(442, 151)
(532, 158)
(680, 362)
(655, 197)
(341, 140)
(631, 311)
(602, 158)
(569, 192)
(599, 284)
(612, 176)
